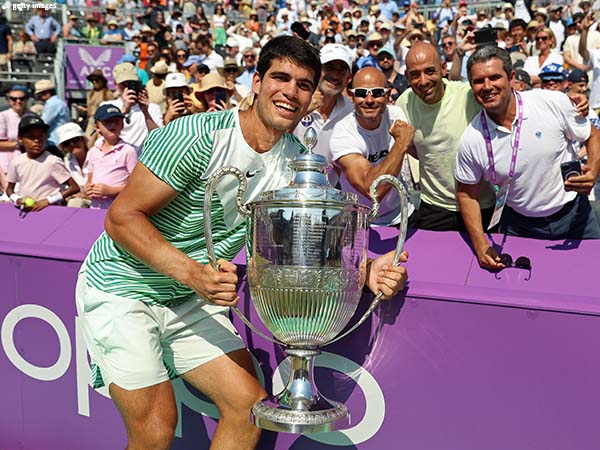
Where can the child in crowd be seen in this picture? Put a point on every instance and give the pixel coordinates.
(72, 142)
(110, 160)
(39, 173)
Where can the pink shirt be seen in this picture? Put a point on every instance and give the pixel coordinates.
(9, 125)
(39, 177)
(112, 168)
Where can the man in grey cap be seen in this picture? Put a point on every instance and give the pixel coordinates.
(329, 104)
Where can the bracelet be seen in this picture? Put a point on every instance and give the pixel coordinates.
(14, 198)
(55, 198)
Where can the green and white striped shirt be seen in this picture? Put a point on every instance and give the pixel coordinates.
(184, 154)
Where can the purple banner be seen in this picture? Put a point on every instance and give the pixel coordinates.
(84, 59)
(465, 359)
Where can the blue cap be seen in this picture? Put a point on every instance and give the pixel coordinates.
(578, 76)
(127, 58)
(106, 112)
(20, 87)
(553, 71)
(406, 3)
(192, 59)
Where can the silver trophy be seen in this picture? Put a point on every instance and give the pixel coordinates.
(307, 257)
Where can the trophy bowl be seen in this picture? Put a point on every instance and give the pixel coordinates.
(307, 257)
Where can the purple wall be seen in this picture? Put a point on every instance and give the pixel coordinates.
(463, 361)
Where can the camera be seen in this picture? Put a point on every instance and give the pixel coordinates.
(487, 36)
(135, 85)
(221, 97)
(178, 96)
(570, 169)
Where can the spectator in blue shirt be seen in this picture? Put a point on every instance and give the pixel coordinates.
(249, 62)
(55, 112)
(44, 31)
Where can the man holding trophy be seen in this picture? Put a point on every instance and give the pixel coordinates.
(150, 304)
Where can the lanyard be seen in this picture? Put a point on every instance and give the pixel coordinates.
(488, 140)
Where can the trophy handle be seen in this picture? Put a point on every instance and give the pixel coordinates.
(403, 193)
(244, 211)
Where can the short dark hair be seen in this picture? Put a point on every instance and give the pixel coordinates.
(488, 52)
(202, 40)
(291, 48)
(516, 23)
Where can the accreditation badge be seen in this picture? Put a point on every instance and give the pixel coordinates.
(501, 196)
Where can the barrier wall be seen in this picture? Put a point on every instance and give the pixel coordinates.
(465, 359)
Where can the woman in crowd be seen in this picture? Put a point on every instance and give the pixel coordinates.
(212, 94)
(181, 56)
(544, 43)
(24, 45)
(252, 23)
(98, 94)
(218, 26)
(270, 26)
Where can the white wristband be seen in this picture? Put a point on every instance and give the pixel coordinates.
(55, 198)
(14, 198)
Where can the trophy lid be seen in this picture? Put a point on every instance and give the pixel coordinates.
(310, 183)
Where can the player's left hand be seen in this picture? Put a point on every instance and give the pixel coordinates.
(385, 277)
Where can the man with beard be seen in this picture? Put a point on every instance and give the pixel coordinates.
(329, 103)
(386, 62)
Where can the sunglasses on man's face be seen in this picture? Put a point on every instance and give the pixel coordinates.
(231, 70)
(448, 44)
(377, 92)
(17, 99)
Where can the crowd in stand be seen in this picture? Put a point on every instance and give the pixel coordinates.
(379, 107)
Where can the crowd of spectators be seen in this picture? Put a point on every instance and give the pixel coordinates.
(198, 57)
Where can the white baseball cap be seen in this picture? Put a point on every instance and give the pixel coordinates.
(68, 131)
(174, 80)
(334, 52)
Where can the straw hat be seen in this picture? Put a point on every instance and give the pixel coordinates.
(160, 68)
(229, 63)
(43, 86)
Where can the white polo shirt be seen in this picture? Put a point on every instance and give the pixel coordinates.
(324, 128)
(550, 121)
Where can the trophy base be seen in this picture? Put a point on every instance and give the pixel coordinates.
(300, 408)
(269, 414)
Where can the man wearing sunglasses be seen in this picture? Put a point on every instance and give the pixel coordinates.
(374, 43)
(373, 141)
(517, 143)
(9, 124)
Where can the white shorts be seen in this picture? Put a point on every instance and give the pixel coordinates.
(136, 345)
